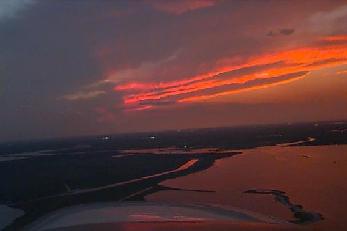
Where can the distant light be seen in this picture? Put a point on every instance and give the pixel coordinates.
(152, 137)
(106, 138)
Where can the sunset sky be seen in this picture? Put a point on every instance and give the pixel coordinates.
(83, 67)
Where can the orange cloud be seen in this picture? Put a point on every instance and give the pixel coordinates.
(256, 72)
(262, 86)
(342, 72)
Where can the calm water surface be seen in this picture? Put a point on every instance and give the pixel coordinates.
(311, 176)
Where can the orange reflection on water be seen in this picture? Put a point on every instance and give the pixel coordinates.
(312, 176)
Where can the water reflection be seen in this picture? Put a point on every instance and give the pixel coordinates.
(312, 176)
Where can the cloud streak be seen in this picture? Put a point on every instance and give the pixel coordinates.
(330, 21)
(180, 6)
(256, 72)
(11, 8)
(83, 95)
(284, 31)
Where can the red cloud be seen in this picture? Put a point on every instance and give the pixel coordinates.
(257, 72)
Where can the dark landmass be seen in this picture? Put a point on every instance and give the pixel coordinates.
(38, 194)
(47, 175)
(302, 216)
(241, 137)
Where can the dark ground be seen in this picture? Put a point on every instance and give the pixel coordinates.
(41, 184)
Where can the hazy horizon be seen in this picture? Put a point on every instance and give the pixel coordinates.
(148, 132)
